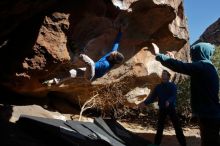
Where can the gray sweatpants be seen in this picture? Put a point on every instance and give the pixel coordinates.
(88, 72)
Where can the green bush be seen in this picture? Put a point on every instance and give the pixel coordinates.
(216, 61)
(183, 100)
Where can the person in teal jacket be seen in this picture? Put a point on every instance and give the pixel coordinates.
(94, 70)
(205, 102)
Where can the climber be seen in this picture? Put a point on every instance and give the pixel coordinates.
(93, 70)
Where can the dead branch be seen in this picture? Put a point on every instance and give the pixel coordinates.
(88, 104)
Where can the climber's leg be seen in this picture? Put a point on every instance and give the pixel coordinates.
(90, 66)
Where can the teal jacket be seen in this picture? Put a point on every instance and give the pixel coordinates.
(204, 79)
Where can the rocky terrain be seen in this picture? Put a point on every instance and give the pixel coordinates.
(42, 40)
(211, 34)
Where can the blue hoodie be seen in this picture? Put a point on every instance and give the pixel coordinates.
(204, 79)
(103, 65)
(163, 92)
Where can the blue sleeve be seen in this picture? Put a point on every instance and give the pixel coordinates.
(114, 48)
(179, 66)
(151, 97)
(104, 58)
(173, 94)
(117, 41)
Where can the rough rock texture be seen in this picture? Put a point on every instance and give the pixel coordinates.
(41, 40)
(211, 34)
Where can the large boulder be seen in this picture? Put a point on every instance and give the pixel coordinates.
(45, 39)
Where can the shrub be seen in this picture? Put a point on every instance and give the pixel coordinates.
(183, 100)
(109, 100)
(216, 61)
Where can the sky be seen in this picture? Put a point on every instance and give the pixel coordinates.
(200, 14)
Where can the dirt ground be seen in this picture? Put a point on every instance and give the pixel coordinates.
(191, 133)
(169, 138)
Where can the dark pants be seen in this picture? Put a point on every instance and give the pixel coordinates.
(160, 125)
(209, 131)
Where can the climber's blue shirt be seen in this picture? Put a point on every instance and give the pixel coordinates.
(204, 79)
(163, 92)
(103, 65)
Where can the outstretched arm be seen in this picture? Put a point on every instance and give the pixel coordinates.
(176, 65)
(114, 47)
(117, 41)
(151, 97)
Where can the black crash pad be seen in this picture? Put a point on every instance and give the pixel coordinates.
(102, 132)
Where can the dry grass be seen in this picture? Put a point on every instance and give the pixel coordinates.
(109, 99)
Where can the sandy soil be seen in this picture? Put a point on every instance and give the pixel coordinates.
(169, 138)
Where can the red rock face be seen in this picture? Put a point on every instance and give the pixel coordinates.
(45, 43)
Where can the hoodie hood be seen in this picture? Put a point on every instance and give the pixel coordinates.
(202, 52)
